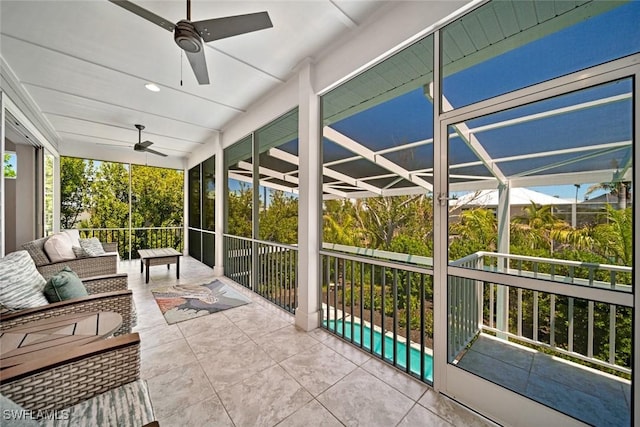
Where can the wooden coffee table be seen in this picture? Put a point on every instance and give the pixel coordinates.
(45, 337)
(168, 256)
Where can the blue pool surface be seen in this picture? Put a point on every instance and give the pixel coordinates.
(344, 329)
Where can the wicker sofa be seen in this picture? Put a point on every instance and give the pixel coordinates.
(93, 384)
(83, 267)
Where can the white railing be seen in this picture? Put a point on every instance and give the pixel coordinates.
(473, 302)
(559, 270)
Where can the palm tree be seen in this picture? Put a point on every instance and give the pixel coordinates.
(619, 189)
(476, 231)
(611, 239)
(339, 223)
(534, 227)
(614, 238)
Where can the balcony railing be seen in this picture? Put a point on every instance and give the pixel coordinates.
(382, 302)
(591, 331)
(381, 306)
(131, 239)
(275, 266)
(608, 276)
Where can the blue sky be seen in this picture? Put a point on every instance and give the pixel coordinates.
(605, 37)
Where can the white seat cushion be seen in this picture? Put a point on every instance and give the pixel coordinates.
(59, 248)
(74, 236)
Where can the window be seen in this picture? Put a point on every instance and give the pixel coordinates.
(48, 193)
(10, 165)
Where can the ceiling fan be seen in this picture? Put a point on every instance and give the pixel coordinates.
(190, 35)
(144, 146)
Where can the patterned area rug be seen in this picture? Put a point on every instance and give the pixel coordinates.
(183, 302)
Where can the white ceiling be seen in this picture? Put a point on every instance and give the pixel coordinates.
(85, 64)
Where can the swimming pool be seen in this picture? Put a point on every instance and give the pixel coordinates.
(344, 328)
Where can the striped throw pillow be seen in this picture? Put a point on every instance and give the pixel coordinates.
(79, 252)
(92, 246)
(21, 284)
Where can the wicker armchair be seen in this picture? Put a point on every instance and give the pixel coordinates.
(106, 293)
(83, 267)
(94, 383)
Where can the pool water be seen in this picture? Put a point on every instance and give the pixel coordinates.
(344, 328)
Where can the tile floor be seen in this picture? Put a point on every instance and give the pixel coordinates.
(250, 366)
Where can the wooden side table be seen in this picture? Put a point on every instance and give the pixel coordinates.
(150, 257)
(45, 337)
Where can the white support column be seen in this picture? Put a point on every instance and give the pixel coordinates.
(218, 268)
(309, 211)
(504, 220)
(440, 231)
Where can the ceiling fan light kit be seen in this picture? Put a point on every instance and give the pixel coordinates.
(189, 35)
(152, 87)
(186, 36)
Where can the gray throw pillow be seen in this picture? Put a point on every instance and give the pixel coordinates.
(92, 246)
(79, 252)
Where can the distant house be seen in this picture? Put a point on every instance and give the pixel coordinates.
(518, 197)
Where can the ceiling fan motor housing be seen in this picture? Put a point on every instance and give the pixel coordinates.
(186, 36)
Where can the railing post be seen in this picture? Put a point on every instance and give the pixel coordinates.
(504, 219)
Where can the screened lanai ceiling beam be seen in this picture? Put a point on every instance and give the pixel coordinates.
(268, 184)
(384, 151)
(474, 144)
(563, 178)
(283, 177)
(269, 172)
(357, 148)
(618, 145)
(567, 162)
(554, 112)
(293, 159)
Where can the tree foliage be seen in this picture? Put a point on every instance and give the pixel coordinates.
(157, 199)
(239, 211)
(9, 171)
(99, 192)
(76, 176)
(279, 221)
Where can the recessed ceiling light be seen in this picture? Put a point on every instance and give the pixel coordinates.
(152, 87)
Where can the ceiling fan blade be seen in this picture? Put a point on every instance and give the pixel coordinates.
(199, 65)
(149, 150)
(145, 144)
(144, 13)
(220, 28)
